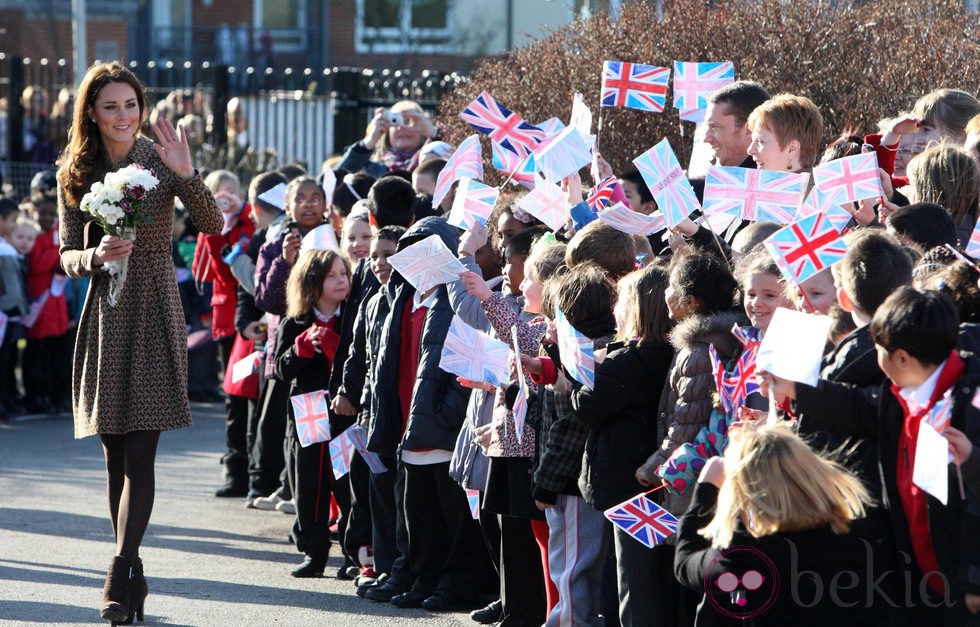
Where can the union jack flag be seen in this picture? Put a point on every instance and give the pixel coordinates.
(577, 351)
(694, 82)
(358, 435)
(819, 202)
(733, 387)
(940, 415)
(473, 500)
(601, 194)
(973, 248)
(849, 179)
(667, 182)
(752, 194)
(546, 202)
(523, 168)
(551, 128)
(520, 410)
(643, 519)
(624, 219)
(473, 204)
(312, 418)
(341, 452)
(467, 162)
(634, 85)
(806, 247)
(427, 263)
(502, 125)
(474, 355)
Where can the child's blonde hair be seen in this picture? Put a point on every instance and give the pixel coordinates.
(775, 483)
(27, 222)
(216, 179)
(546, 259)
(305, 281)
(948, 176)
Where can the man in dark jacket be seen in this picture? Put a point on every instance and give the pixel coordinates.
(418, 412)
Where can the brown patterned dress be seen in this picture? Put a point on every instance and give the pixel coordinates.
(130, 365)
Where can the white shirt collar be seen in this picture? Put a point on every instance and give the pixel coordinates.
(322, 317)
(418, 303)
(919, 395)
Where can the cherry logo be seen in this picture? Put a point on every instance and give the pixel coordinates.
(748, 593)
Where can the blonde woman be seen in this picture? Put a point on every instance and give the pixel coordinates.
(768, 536)
(392, 140)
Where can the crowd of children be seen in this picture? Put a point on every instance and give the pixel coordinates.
(490, 497)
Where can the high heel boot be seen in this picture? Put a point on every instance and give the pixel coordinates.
(137, 593)
(116, 593)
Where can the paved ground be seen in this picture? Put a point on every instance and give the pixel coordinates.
(208, 561)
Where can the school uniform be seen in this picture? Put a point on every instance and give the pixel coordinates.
(579, 535)
(620, 413)
(420, 412)
(939, 537)
(305, 370)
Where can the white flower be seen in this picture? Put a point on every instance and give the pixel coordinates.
(113, 194)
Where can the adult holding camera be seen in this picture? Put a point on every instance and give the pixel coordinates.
(392, 140)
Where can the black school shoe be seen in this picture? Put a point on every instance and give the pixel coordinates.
(386, 592)
(448, 602)
(311, 567)
(409, 599)
(490, 614)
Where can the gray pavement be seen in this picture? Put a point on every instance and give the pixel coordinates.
(208, 561)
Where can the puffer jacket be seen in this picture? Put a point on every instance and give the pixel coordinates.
(438, 401)
(688, 395)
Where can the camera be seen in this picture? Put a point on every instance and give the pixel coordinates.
(223, 203)
(396, 118)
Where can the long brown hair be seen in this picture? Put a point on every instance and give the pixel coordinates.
(305, 283)
(84, 158)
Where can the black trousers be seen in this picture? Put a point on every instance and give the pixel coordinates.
(358, 530)
(8, 362)
(446, 549)
(268, 459)
(522, 586)
(236, 407)
(47, 367)
(311, 478)
(389, 534)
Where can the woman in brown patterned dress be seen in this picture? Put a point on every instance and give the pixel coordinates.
(129, 380)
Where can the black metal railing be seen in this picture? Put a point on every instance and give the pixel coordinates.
(296, 113)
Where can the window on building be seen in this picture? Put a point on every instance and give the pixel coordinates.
(399, 26)
(284, 21)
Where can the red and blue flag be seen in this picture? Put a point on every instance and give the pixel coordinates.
(807, 247)
(503, 126)
(849, 179)
(634, 85)
(312, 417)
(668, 183)
(643, 519)
(694, 82)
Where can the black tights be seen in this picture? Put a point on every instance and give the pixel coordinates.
(129, 460)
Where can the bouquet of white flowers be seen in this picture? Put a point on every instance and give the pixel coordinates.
(115, 205)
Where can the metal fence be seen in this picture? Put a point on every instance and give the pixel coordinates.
(293, 114)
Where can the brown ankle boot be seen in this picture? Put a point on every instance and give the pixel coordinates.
(137, 593)
(116, 593)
